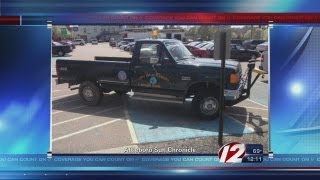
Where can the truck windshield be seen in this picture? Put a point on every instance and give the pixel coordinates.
(178, 51)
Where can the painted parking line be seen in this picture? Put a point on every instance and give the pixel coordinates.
(84, 116)
(257, 103)
(57, 112)
(85, 130)
(130, 125)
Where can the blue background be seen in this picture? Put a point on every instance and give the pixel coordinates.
(25, 89)
(295, 116)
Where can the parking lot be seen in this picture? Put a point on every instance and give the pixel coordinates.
(123, 125)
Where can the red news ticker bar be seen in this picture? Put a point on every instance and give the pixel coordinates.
(9, 20)
(216, 18)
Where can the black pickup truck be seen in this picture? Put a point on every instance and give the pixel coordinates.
(159, 70)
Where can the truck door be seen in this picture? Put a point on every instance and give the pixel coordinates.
(149, 71)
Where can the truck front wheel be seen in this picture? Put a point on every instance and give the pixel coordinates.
(90, 93)
(206, 104)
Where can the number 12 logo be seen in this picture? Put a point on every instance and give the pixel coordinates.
(232, 153)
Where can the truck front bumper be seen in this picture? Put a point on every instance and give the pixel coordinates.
(232, 95)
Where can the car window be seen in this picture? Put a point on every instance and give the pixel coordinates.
(149, 53)
(178, 51)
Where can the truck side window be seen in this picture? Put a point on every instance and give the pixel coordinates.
(149, 52)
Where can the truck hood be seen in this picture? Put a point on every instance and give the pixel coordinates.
(208, 62)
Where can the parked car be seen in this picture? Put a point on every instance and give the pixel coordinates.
(70, 43)
(60, 49)
(236, 41)
(262, 47)
(242, 54)
(128, 39)
(252, 44)
(120, 43)
(79, 42)
(94, 41)
(122, 47)
(202, 44)
(112, 43)
(194, 43)
(198, 52)
(168, 73)
(208, 46)
(129, 46)
(239, 53)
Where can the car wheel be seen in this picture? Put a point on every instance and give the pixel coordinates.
(90, 93)
(61, 53)
(206, 103)
(81, 44)
(120, 93)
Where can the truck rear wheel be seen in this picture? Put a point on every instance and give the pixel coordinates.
(90, 93)
(207, 104)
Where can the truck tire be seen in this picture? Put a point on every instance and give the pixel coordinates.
(90, 93)
(206, 103)
(120, 93)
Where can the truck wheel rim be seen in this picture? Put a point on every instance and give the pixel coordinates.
(209, 106)
(88, 94)
(60, 53)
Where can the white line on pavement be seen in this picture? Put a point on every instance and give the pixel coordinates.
(257, 103)
(57, 112)
(85, 130)
(130, 126)
(80, 117)
(64, 96)
(245, 115)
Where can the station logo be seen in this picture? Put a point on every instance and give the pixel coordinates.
(232, 153)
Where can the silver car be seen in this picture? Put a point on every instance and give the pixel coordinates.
(79, 42)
